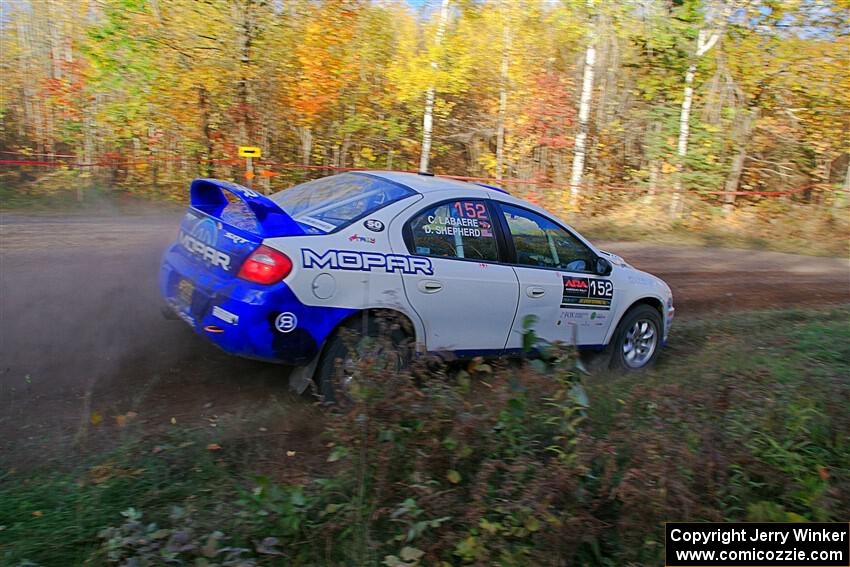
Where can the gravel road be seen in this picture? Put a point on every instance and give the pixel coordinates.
(82, 334)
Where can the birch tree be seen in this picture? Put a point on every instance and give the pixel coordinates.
(706, 39)
(580, 148)
(428, 117)
(503, 89)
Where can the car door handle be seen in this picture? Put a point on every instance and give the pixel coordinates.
(534, 292)
(429, 286)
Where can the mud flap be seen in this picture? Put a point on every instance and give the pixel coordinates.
(301, 377)
(168, 313)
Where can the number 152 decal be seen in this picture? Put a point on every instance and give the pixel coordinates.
(587, 293)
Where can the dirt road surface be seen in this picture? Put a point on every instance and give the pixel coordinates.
(82, 338)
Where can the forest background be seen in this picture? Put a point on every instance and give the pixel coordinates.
(641, 113)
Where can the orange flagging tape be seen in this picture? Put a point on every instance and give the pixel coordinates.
(504, 181)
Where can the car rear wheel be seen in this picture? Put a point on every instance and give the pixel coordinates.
(637, 339)
(369, 348)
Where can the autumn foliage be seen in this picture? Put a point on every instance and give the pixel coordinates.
(343, 83)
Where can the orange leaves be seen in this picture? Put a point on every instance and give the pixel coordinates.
(124, 419)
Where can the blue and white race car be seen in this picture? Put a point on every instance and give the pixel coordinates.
(460, 265)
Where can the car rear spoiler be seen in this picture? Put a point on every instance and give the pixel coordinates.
(207, 196)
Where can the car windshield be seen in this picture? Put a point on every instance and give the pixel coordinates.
(326, 204)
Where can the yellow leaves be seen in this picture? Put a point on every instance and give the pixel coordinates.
(95, 418)
(100, 474)
(367, 154)
(453, 476)
(668, 168)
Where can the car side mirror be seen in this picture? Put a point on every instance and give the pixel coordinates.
(603, 267)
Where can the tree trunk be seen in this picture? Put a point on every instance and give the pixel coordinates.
(428, 118)
(706, 39)
(580, 150)
(653, 176)
(684, 132)
(503, 92)
(204, 104)
(246, 31)
(305, 134)
(734, 178)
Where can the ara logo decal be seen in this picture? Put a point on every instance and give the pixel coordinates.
(374, 225)
(366, 262)
(200, 241)
(575, 287)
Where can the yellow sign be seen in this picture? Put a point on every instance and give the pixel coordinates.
(249, 151)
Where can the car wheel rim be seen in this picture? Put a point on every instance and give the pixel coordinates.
(639, 343)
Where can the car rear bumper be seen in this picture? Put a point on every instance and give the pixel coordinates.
(243, 318)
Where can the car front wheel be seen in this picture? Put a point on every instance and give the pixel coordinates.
(637, 339)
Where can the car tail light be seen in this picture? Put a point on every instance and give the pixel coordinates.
(266, 266)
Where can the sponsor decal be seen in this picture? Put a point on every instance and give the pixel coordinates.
(286, 322)
(200, 241)
(587, 293)
(358, 238)
(374, 225)
(573, 315)
(225, 315)
(598, 318)
(235, 238)
(250, 193)
(573, 318)
(365, 262)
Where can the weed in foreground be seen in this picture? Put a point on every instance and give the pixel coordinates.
(494, 463)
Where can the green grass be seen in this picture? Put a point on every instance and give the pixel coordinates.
(53, 518)
(744, 418)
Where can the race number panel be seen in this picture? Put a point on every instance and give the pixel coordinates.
(587, 293)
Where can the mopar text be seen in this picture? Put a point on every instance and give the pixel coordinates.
(365, 262)
(205, 251)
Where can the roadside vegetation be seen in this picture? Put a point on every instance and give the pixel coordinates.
(818, 227)
(525, 463)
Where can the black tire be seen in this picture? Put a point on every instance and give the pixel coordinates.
(633, 349)
(375, 336)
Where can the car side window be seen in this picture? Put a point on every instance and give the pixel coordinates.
(539, 242)
(455, 229)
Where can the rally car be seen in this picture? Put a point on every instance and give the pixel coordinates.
(461, 265)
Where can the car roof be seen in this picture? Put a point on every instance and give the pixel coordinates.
(426, 183)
